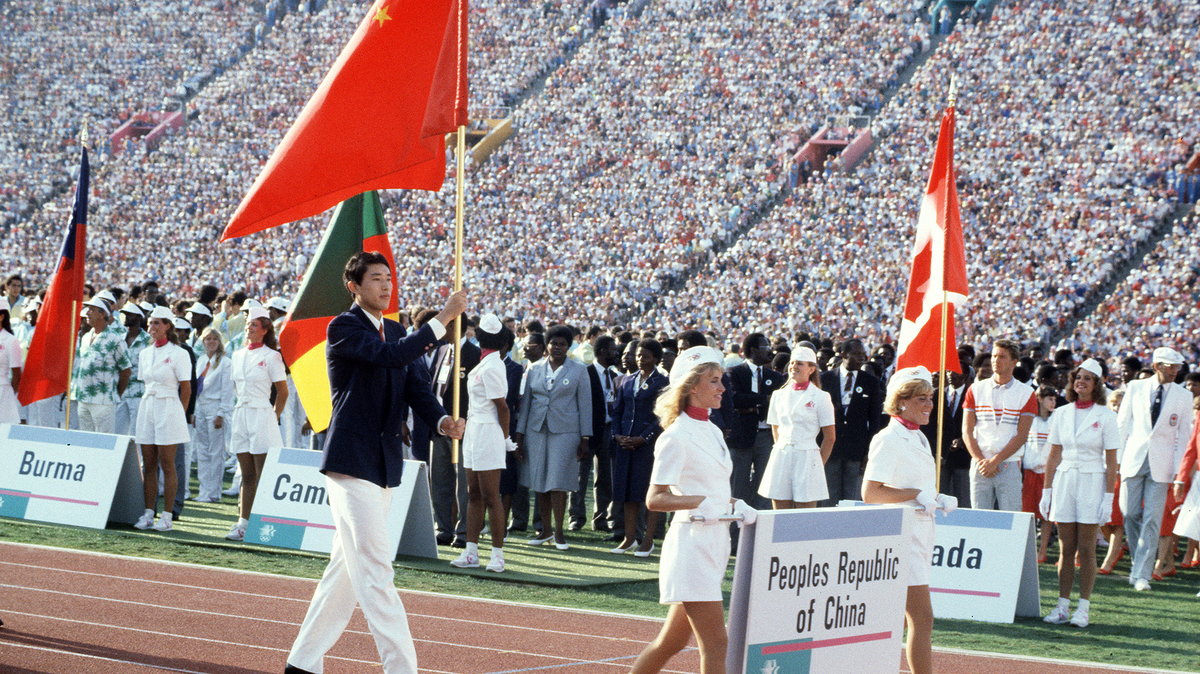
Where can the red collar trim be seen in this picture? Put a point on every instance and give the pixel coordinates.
(800, 387)
(906, 423)
(254, 346)
(160, 342)
(486, 352)
(1080, 405)
(697, 413)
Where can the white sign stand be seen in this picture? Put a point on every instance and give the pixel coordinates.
(69, 477)
(291, 507)
(820, 590)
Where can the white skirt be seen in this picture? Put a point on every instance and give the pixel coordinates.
(920, 550)
(1076, 497)
(255, 430)
(1188, 523)
(161, 421)
(483, 446)
(693, 561)
(794, 475)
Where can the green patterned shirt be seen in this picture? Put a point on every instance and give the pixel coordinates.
(136, 386)
(98, 365)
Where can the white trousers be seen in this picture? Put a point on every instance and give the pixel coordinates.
(96, 417)
(359, 572)
(210, 452)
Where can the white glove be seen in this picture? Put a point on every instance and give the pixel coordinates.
(711, 510)
(1106, 508)
(749, 515)
(947, 503)
(928, 500)
(1044, 504)
(510, 445)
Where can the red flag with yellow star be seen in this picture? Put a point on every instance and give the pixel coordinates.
(377, 121)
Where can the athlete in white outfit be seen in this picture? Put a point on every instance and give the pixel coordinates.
(799, 411)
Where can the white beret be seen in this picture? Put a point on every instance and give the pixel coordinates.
(693, 358)
(1091, 365)
(278, 303)
(1165, 354)
(902, 377)
(106, 296)
(490, 324)
(250, 303)
(804, 354)
(181, 324)
(162, 313)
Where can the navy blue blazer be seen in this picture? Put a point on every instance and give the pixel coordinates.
(633, 412)
(744, 425)
(515, 373)
(373, 388)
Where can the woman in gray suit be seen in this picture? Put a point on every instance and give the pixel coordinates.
(553, 431)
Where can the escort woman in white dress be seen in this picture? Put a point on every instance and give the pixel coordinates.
(799, 411)
(1081, 472)
(256, 369)
(166, 370)
(214, 410)
(10, 368)
(691, 477)
(485, 444)
(900, 469)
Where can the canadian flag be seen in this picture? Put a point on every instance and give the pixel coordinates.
(939, 268)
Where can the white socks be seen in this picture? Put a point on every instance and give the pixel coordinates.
(149, 513)
(1065, 603)
(472, 548)
(1084, 604)
(243, 522)
(497, 553)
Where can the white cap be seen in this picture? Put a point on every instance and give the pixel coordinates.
(490, 324)
(693, 358)
(106, 296)
(198, 308)
(803, 354)
(250, 303)
(163, 313)
(33, 304)
(4, 304)
(1165, 354)
(1091, 365)
(96, 302)
(131, 308)
(278, 303)
(147, 307)
(902, 377)
(257, 312)
(181, 324)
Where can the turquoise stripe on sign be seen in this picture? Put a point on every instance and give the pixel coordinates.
(837, 524)
(300, 457)
(57, 436)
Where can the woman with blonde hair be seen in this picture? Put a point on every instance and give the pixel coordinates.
(691, 477)
(214, 409)
(900, 470)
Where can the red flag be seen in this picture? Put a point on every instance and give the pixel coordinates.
(938, 264)
(48, 364)
(377, 121)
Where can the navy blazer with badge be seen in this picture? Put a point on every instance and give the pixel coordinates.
(633, 410)
(373, 387)
(744, 426)
(858, 423)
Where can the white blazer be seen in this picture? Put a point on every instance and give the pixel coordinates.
(1084, 436)
(1166, 440)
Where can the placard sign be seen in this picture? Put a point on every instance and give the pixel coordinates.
(291, 507)
(984, 565)
(820, 590)
(68, 477)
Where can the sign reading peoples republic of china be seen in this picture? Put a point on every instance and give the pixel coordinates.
(820, 590)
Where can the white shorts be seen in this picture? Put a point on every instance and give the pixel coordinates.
(794, 475)
(1076, 497)
(483, 446)
(255, 430)
(920, 550)
(161, 421)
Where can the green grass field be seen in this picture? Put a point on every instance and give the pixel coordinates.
(1158, 629)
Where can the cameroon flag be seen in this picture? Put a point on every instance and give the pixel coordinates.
(357, 225)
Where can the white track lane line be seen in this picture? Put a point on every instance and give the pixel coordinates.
(95, 657)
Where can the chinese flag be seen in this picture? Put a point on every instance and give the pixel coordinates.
(938, 264)
(47, 365)
(377, 121)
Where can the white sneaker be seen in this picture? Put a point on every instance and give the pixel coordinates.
(145, 521)
(231, 491)
(163, 523)
(496, 565)
(466, 560)
(237, 533)
(1080, 618)
(1141, 585)
(1057, 617)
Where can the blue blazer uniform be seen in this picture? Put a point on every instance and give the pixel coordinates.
(633, 414)
(373, 388)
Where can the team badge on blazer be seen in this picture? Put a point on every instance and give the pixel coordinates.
(1174, 420)
(767, 382)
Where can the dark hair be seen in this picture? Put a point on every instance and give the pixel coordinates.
(1010, 346)
(981, 360)
(1132, 362)
(846, 345)
(1099, 390)
(5, 321)
(603, 342)
(269, 334)
(538, 338)
(238, 298)
(594, 331)
(1021, 374)
(1192, 376)
(753, 339)
(117, 292)
(624, 337)
(562, 332)
(494, 341)
(208, 294)
(356, 266)
(653, 346)
(1044, 391)
(692, 338)
(424, 316)
(14, 277)
(780, 361)
(534, 325)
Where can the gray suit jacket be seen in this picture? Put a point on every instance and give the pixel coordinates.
(565, 407)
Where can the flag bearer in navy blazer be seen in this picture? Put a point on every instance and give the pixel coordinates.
(373, 389)
(749, 436)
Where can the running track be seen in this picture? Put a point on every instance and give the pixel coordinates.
(71, 611)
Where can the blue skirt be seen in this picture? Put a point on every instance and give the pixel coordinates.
(631, 472)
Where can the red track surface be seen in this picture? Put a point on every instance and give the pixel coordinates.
(68, 611)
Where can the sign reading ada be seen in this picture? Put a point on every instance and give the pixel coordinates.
(820, 590)
(291, 507)
(68, 477)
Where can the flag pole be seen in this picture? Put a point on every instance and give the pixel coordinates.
(460, 188)
(75, 308)
(941, 395)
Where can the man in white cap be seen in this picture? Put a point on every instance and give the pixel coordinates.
(1155, 419)
(200, 317)
(102, 370)
(136, 339)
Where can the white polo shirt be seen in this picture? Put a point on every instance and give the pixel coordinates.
(998, 409)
